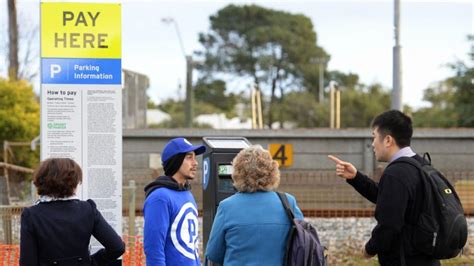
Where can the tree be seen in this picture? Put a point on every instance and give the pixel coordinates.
(13, 65)
(175, 108)
(272, 49)
(361, 104)
(451, 100)
(20, 50)
(349, 81)
(442, 112)
(463, 81)
(151, 104)
(19, 116)
(214, 93)
(302, 109)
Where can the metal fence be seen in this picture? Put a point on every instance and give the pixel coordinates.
(322, 196)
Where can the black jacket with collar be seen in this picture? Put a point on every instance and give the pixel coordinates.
(59, 232)
(398, 198)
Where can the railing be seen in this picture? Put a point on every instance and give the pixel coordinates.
(10, 221)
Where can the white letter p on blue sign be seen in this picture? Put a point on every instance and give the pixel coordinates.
(55, 69)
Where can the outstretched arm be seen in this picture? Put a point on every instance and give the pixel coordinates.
(362, 183)
(343, 169)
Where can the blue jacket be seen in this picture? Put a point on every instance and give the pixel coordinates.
(250, 229)
(171, 225)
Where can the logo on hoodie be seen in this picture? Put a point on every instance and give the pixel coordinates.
(184, 231)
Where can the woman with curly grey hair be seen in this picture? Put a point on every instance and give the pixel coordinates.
(251, 227)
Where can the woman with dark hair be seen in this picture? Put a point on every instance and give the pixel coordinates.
(57, 230)
(251, 226)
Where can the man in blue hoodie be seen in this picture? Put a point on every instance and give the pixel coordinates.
(171, 223)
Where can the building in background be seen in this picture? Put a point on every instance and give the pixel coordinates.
(156, 116)
(134, 99)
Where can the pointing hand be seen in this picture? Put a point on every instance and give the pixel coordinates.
(344, 169)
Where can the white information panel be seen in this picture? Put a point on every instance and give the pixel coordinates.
(81, 98)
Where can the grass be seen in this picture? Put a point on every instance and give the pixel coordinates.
(350, 253)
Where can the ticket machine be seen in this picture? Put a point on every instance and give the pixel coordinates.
(216, 178)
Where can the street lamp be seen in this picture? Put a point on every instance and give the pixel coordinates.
(397, 89)
(321, 61)
(189, 102)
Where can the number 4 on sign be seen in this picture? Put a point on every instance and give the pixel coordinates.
(282, 153)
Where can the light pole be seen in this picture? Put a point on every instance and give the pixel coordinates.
(189, 102)
(397, 89)
(321, 61)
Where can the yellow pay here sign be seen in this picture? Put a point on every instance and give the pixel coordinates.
(80, 30)
(282, 153)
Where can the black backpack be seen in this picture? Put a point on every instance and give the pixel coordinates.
(303, 247)
(441, 230)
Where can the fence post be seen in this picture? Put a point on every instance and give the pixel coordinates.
(6, 212)
(131, 208)
(131, 222)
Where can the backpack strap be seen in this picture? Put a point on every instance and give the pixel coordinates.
(413, 162)
(427, 158)
(286, 205)
(425, 170)
(409, 160)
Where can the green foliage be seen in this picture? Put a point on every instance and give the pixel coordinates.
(175, 108)
(19, 118)
(464, 97)
(360, 105)
(451, 100)
(213, 94)
(272, 48)
(465, 107)
(348, 81)
(151, 105)
(302, 109)
(442, 112)
(210, 97)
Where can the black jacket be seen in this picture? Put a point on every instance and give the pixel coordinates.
(398, 198)
(59, 232)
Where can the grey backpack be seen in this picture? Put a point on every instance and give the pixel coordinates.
(303, 247)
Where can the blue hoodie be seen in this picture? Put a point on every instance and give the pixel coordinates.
(171, 224)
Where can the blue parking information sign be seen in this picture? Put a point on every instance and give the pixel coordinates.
(81, 71)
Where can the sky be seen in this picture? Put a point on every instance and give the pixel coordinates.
(358, 35)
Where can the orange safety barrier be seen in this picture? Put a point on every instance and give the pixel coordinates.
(134, 254)
(9, 255)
